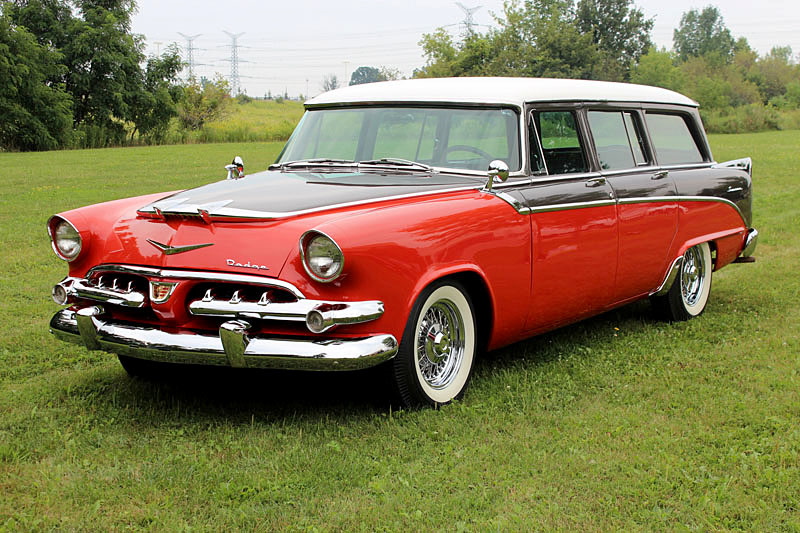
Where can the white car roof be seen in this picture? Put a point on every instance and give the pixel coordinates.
(513, 91)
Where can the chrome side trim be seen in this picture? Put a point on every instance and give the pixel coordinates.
(566, 207)
(516, 204)
(191, 348)
(198, 274)
(649, 199)
(80, 288)
(672, 273)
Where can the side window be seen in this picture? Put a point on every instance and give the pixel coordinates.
(672, 139)
(561, 146)
(617, 138)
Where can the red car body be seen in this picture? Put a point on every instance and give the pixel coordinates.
(537, 251)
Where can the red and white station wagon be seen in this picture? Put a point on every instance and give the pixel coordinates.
(414, 224)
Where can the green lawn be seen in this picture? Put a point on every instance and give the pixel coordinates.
(619, 422)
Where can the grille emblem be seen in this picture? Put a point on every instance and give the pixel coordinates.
(160, 291)
(172, 250)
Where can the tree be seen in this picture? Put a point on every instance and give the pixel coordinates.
(330, 83)
(541, 39)
(620, 31)
(365, 75)
(36, 112)
(657, 68)
(154, 106)
(204, 102)
(703, 33)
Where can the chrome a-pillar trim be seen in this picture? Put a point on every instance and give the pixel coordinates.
(672, 273)
(208, 349)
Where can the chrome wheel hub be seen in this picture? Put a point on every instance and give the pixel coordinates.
(692, 275)
(440, 344)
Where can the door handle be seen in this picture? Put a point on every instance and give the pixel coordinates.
(595, 182)
(660, 175)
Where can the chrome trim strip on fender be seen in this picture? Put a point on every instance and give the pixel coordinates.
(566, 207)
(672, 273)
(649, 199)
(232, 346)
(198, 274)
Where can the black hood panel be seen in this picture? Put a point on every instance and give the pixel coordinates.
(275, 194)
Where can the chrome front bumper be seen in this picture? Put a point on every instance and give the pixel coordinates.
(232, 347)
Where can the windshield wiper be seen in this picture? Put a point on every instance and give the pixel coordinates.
(320, 161)
(395, 162)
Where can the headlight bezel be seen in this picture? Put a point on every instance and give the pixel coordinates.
(53, 225)
(305, 242)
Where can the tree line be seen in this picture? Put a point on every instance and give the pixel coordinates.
(72, 74)
(737, 89)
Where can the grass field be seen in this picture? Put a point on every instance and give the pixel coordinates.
(619, 422)
(254, 121)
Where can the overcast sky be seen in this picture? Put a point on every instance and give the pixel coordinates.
(292, 45)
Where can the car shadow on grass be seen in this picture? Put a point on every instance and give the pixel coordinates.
(216, 393)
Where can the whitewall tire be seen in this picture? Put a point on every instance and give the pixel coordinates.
(689, 293)
(434, 362)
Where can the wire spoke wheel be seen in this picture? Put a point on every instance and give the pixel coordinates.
(440, 344)
(688, 295)
(692, 275)
(434, 362)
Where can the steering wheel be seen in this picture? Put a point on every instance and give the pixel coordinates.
(467, 148)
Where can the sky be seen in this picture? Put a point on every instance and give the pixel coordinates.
(291, 46)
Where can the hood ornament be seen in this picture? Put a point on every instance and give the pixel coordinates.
(235, 169)
(166, 249)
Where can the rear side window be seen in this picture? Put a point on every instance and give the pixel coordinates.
(617, 138)
(672, 139)
(561, 145)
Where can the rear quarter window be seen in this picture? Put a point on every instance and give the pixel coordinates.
(672, 139)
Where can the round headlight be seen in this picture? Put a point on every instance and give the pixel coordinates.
(322, 258)
(66, 240)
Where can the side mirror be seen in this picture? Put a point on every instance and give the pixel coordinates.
(498, 173)
(235, 169)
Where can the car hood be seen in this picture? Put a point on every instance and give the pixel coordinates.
(279, 194)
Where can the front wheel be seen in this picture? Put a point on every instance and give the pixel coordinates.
(688, 295)
(434, 361)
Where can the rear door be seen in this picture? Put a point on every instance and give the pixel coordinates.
(647, 208)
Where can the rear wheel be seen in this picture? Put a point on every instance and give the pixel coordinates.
(434, 361)
(688, 296)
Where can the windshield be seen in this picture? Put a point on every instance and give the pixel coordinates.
(458, 138)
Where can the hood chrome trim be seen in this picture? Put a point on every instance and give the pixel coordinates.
(172, 250)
